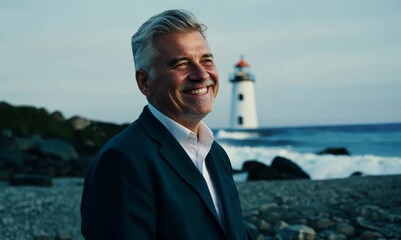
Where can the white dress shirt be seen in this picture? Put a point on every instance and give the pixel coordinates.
(197, 147)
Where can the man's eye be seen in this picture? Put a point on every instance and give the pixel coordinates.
(181, 66)
(208, 62)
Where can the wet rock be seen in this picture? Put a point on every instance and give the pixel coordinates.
(356, 174)
(265, 227)
(330, 235)
(289, 168)
(260, 171)
(280, 169)
(334, 151)
(294, 232)
(346, 229)
(252, 229)
(366, 224)
(369, 235)
(321, 223)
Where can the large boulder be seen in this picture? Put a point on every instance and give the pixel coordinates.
(280, 169)
(288, 168)
(54, 149)
(259, 171)
(11, 161)
(11, 158)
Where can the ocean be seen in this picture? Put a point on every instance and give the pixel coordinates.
(375, 149)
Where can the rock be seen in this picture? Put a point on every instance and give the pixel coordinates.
(43, 236)
(280, 169)
(25, 143)
(371, 212)
(394, 218)
(335, 151)
(345, 229)
(58, 116)
(356, 174)
(321, 223)
(265, 227)
(268, 207)
(11, 158)
(251, 229)
(329, 235)
(272, 216)
(54, 149)
(362, 222)
(288, 167)
(260, 171)
(79, 123)
(294, 232)
(11, 162)
(63, 235)
(369, 235)
(31, 180)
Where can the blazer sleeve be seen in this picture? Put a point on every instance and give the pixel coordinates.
(118, 201)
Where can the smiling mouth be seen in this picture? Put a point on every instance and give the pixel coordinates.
(199, 91)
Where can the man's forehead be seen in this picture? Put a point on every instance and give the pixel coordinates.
(182, 45)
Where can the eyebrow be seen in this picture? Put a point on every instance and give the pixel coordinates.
(174, 61)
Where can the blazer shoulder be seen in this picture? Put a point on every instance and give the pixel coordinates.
(142, 132)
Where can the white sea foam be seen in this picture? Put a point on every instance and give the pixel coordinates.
(317, 166)
(237, 135)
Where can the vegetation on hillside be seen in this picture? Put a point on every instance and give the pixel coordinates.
(25, 121)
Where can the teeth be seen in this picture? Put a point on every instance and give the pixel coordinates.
(198, 91)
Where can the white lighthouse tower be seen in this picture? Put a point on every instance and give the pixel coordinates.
(243, 107)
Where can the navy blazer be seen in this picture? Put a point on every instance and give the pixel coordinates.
(143, 185)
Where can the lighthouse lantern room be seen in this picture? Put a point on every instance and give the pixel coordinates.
(243, 107)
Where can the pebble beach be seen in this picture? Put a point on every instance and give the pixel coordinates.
(366, 207)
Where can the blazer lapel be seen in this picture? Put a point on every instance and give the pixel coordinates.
(177, 158)
(225, 192)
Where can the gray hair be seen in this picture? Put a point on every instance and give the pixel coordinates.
(168, 21)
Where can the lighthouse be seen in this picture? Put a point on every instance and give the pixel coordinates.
(243, 107)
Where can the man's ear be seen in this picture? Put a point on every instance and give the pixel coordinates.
(142, 80)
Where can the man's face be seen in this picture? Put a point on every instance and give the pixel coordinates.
(184, 81)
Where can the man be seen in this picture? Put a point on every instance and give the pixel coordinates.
(164, 177)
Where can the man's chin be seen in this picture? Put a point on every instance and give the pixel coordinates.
(201, 113)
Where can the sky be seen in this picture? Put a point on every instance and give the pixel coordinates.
(315, 62)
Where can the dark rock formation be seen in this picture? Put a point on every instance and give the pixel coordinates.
(33, 141)
(356, 174)
(260, 171)
(335, 151)
(280, 169)
(54, 149)
(286, 166)
(85, 135)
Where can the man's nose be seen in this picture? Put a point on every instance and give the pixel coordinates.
(198, 73)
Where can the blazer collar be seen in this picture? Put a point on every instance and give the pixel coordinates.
(177, 158)
(226, 193)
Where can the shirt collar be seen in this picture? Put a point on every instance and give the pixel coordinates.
(181, 133)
